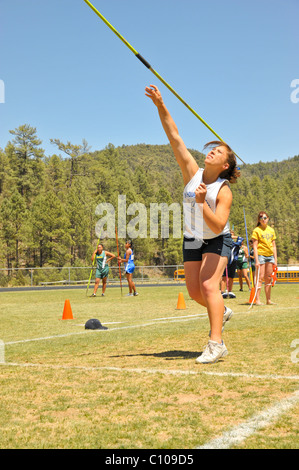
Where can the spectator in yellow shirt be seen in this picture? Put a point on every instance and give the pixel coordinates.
(265, 254)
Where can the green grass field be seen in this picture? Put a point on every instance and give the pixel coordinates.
(136, 385)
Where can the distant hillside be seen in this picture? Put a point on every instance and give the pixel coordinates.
(47, 204)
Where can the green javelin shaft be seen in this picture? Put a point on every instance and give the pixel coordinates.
(154, 71)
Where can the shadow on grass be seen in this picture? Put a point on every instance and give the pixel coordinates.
(168, 355)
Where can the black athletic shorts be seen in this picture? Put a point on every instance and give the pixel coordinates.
(194, 249)
(231, 269)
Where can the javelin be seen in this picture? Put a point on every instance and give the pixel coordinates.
(154, 71)
(248, 248)
(255, 287)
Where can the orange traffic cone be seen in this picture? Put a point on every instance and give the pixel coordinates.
(181, 302)
(252, 294)
(67, 311)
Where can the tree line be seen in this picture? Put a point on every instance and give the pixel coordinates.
(48, 203)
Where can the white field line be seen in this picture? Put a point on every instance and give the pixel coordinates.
(154, 371)
(236, 435)
(152, 322)
(233, 437)
(239, 433)
(154, 319)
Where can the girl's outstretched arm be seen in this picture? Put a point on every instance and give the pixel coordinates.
(184, 158)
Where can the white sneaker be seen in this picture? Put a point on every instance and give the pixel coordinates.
(212, 353)
(135, 293)
(129, 295)
(228, 313)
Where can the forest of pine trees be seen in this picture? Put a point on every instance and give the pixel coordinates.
(48, 203)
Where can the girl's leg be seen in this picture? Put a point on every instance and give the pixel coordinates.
(230, 284)
(104, 285)
(133, 284)
(240, 279)
(223, 284)
(192, 271)
(129, 282)
(245, 274)
(96, 285)
(261, 276)
(211, 270)
(268, 272)
(253, 277)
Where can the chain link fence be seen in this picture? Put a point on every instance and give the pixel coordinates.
(70, 276)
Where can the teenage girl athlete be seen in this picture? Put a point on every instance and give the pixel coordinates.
(207, 244)
(242, 266)
(265, 255)
(102, 268)
(129, 267)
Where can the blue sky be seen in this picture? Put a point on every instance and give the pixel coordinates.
(233, 61)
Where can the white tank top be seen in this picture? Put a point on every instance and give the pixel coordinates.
(194, 224)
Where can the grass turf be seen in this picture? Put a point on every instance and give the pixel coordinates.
(136, 385)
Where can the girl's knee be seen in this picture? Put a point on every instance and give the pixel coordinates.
(267, 280)
(209, 289)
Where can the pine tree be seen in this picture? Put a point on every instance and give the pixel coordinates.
(25, 157)
(50, 230)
